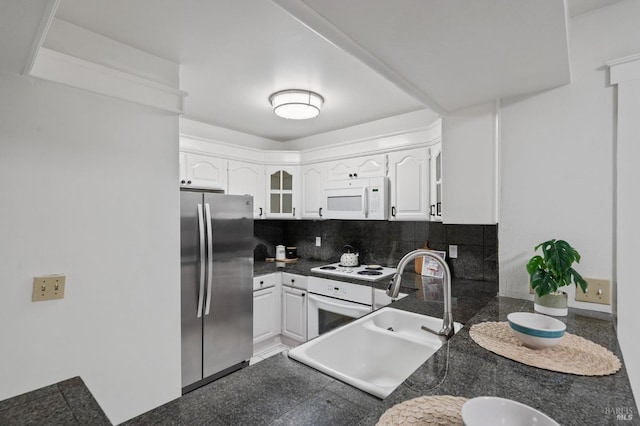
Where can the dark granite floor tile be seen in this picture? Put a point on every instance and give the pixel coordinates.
(84, 406)
(51, 409)
(325, 408)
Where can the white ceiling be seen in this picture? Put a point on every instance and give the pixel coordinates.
(21, 23)
(460, 53)
(370, 59)
(235, 53)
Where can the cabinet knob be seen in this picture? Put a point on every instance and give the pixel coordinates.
(183, 182)
(350, 175)
(355, 175)
(261, 282)
(292, 280)
(188, 182)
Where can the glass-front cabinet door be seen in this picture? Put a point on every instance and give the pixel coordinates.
(281, 192)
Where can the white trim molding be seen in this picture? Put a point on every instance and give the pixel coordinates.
(82, 74)
(624, 69)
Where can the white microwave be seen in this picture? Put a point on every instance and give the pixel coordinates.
(361, 199)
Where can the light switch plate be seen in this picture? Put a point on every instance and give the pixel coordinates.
(598, 291)
(318, 241)
(48, 287)
(453, 252)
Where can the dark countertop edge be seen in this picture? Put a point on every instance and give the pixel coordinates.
(75, 399)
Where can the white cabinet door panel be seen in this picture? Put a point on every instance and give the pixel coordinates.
(248, 178)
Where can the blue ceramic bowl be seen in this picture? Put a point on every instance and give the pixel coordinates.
(536, 331)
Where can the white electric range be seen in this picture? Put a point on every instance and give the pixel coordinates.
(362, 272)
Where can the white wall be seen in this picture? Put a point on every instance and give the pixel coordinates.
(469, 175)
(89, 188)
(557, 162)
(627, 224)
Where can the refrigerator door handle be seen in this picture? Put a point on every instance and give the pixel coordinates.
(207, 210)
(202, 259)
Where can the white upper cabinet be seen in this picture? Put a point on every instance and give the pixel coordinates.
(248, 178)
(312, 193)
(359, 167)
(409, 181)
(203, 171)
(435, 205)
(282, 192)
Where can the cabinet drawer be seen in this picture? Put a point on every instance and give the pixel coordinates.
(264, 281)
(293, 280)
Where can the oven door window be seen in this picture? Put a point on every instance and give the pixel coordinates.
(328, 320)
(327, 313)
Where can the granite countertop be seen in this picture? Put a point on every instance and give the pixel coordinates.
(66, 403)
(281, 391)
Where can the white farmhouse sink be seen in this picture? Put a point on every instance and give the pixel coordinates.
(375, 353)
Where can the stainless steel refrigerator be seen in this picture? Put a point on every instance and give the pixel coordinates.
(216, 239)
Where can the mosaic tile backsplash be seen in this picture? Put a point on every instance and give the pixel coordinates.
(384, 242)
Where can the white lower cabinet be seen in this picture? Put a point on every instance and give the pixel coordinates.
(294, 307)
(266, 314)
(294, 313)
(266, 308)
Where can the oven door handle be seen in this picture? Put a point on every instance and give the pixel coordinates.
(359, 308)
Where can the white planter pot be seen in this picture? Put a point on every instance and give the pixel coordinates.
(554, 304)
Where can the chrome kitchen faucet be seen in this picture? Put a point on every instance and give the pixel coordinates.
(394, 288)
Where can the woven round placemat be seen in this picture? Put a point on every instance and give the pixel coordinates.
(439, 410)
(573, 355)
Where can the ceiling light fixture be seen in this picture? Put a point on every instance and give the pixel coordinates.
(296, 104)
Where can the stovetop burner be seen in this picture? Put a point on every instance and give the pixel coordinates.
(369, 272)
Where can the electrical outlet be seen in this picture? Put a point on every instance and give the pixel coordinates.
(453, 252)
(318, 242)
(598, 291)
(48, 287)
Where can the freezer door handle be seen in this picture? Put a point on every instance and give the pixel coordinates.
(207, 210)
(202, 259)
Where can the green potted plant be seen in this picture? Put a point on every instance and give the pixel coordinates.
(551, 271)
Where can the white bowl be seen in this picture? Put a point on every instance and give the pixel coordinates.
(492, 411)
(536, 331)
